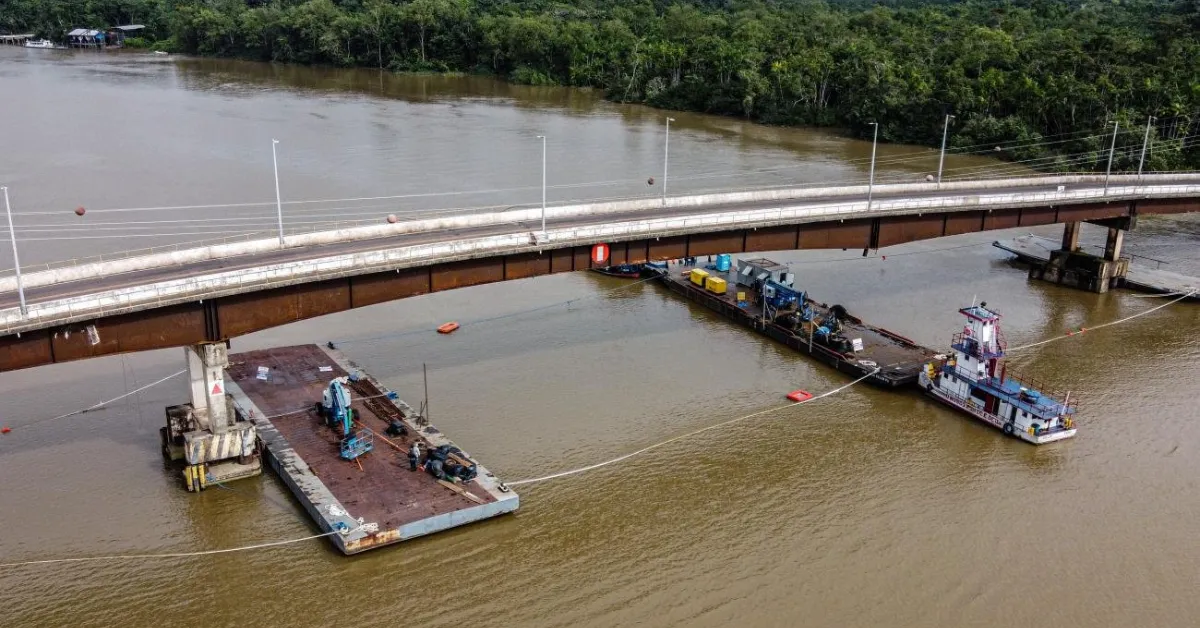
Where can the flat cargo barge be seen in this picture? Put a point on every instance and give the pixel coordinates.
(374, 499)
(863, 349)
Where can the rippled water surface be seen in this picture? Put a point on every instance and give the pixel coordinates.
(868, 508)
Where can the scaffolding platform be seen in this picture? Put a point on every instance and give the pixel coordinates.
(279, 389)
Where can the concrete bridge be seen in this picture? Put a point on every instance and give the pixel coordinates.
(211, 294)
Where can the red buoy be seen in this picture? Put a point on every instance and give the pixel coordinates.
(79, 211)
(6, 429)
(799, 395)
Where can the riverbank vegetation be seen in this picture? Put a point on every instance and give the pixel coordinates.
(1043, 80)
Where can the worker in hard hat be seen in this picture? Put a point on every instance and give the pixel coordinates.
(414, 455)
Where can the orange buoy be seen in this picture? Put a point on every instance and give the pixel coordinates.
(6, 429)
(799, 395)
(448, 327)
(79, 211)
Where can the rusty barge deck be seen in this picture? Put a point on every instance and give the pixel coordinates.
(338, 493)
(899, 359)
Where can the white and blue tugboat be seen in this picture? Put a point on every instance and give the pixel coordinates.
(974, 379)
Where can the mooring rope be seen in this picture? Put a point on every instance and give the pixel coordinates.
(227, 550)
(1101, 325)
(104, 404)
(643, 450)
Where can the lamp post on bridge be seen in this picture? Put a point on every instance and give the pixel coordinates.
(278, 202)
(871, 180)
(543, 138)
(666, 153)
(1111, 149)
(1145, 143)
(16, 261)
(942, 158)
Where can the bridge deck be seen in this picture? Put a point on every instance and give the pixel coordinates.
(1033, 249)
(404, 503)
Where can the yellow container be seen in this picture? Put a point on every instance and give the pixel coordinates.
(715, 285)
(741, 296)
(698, 276)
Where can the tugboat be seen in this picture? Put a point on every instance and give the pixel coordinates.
(974, 379)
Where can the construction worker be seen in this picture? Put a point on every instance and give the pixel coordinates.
(414, 455)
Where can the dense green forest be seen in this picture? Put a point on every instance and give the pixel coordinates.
(1038, 77)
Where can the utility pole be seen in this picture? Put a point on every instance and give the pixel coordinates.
(1111, 149)
(1145, 143)
(666, 153)
(16, 262)
(942, 158)
(543, 138)
(871, 181)
(278, 202)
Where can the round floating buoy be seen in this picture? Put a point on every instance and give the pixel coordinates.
(885, 258)
(929, 178)
(997, 149)
(79, 211)
(650, 181)
(392, 218)
(6, 429)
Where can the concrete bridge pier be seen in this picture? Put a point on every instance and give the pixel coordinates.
(214, 443)
(1070, 266)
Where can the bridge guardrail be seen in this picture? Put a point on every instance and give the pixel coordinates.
(240, 245)
(170, 292)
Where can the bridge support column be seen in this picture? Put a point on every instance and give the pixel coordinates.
(215, 444)
(1070, 266)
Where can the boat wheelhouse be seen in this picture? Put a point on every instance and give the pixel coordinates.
(974, 379)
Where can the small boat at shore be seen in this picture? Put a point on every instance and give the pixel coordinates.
(628, 271)
(44, 44)
(974, 379)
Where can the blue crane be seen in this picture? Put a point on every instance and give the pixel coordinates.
(335, 408)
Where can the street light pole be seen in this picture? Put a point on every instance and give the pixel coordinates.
(543, 138)
(942, 158)
(16, 262)
(666, 153)
(871, 181)
(1145, 143)
(1111, 149)
(278, 201)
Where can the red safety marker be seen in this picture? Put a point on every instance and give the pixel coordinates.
(600, 253)
(79, 211)
(6, 429)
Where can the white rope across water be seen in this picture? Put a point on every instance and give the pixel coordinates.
(102, 404)
(687, 435)
(1102, 325)
(170, 555)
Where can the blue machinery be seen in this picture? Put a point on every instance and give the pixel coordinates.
(335, 409)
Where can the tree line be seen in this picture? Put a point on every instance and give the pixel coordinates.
(1042, 80)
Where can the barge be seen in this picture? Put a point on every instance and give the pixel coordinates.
(760, 295)
(974, 379)
(365, 493)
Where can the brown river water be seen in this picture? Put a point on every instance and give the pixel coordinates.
(868, 508)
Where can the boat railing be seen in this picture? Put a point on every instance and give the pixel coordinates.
(1047, 402)
(972, 346)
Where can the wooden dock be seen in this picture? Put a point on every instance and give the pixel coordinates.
(1034, 249)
